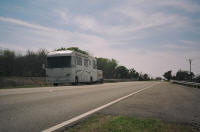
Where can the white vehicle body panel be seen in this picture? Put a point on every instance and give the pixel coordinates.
(84, 73)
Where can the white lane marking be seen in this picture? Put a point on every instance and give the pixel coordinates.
(65, 123)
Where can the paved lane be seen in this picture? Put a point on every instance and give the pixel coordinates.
(36, 109)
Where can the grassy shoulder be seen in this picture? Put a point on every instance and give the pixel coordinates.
(25, 86)
(107, 123)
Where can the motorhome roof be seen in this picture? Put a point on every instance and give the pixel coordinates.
(65, 53)
(60, 53)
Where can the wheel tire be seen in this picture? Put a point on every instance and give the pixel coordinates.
(76, 81)
(91, 80)
(55, 84)
(101, 81)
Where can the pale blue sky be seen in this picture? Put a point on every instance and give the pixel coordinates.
(152, 36)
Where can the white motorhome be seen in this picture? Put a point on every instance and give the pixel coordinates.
(71, 67)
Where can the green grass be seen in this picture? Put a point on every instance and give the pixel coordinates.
(107, 123)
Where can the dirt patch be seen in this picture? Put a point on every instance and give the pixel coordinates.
(21, 81)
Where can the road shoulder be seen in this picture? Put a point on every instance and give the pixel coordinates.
(166, 101)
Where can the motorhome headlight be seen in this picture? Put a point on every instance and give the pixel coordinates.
(67, 75)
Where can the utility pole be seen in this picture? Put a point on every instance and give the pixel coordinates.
(190, 62)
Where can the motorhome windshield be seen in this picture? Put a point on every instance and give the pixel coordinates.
(59, 62)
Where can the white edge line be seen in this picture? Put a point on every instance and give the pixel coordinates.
(65, 123)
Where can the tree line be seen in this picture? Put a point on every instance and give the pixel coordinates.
(181, 75)
(111, 69)
(30, 65)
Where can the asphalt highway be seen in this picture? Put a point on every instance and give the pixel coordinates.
(36, 109)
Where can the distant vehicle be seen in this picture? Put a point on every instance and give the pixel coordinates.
(71, 67)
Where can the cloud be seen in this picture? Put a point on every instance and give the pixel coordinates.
(23, 23)
(190, 43)
(84, 22)
(43, 36)
(109, 22)
(145, 17)
(175, 47)
(182, 47)
(188, 6)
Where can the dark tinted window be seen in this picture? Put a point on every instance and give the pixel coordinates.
(59, 62)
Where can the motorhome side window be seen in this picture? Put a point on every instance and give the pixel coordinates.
(86, 62)
(59, 61)
(79, 61)
(94, 64)
(89, 62)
